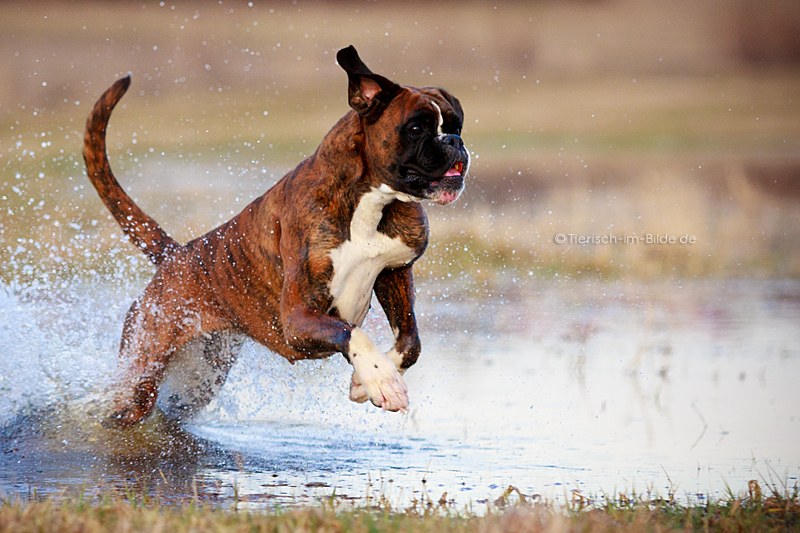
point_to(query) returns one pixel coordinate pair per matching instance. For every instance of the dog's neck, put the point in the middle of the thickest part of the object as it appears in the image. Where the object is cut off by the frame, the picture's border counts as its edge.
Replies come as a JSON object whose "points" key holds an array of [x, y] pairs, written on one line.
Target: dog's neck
{"points": [[369, 212], [363, 255], [343, 144]]}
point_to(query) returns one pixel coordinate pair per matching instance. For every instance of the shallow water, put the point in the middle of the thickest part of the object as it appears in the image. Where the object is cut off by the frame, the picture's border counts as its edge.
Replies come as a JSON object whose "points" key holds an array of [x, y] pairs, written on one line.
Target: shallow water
{"points": [[550, 386]]}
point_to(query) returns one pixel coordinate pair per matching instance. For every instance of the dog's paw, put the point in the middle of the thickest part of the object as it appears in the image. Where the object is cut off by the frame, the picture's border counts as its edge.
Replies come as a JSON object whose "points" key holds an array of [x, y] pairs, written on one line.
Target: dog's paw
{"points": [[123, 418], [384, 387], [358, 393], [376, 377], [387, 396], [137, 408], [396, 358]]}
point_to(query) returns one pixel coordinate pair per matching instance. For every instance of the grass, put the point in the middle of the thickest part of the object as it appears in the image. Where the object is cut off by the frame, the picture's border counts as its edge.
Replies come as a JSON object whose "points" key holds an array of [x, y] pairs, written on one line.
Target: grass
{"points": [[511, 512]]}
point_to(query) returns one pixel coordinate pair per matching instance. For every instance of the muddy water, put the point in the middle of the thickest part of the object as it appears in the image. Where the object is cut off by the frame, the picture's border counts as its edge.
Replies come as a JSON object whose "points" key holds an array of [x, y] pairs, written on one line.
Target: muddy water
{"points": [[550, 386]]}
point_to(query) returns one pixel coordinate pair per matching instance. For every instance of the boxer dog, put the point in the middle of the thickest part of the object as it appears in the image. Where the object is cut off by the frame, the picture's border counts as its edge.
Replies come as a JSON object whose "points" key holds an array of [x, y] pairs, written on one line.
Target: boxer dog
{"points": [[296, 269]]}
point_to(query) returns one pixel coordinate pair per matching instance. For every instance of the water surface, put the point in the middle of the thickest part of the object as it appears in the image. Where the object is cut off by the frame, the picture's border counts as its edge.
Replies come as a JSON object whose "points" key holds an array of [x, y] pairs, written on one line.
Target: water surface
{"points": [[547, 385]]}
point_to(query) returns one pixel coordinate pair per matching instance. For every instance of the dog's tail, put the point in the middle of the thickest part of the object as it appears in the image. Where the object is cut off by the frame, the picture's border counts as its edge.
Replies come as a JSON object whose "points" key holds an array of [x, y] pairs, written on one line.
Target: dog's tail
{"points": [[142, 230]]}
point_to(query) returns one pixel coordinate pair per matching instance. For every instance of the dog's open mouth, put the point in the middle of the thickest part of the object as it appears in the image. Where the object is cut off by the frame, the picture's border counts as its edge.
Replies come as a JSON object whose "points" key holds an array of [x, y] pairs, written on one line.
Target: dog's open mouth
{"points": [[448, 189], [456, 170], [443, 190]]}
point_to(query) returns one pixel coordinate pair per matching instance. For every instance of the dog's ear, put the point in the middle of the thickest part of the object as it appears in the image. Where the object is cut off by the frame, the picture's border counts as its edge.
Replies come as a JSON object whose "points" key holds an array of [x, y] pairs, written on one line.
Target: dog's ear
{"points": [[368, 93]]}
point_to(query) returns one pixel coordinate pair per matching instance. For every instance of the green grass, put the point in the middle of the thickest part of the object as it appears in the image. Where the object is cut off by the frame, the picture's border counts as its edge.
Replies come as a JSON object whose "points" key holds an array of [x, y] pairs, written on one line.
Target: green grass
{"points": [[130, 511]]}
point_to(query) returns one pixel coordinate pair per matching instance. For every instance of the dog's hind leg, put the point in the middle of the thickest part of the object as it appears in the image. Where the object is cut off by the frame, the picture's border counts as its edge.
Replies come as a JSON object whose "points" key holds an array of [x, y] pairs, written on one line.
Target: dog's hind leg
{"points": [[158, 324], [197, 372]]}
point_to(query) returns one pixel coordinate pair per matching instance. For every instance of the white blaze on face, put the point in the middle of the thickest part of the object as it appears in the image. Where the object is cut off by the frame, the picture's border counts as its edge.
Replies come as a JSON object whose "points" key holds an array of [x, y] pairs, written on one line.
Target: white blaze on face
{"points": [[440, 122], [358, 260]]}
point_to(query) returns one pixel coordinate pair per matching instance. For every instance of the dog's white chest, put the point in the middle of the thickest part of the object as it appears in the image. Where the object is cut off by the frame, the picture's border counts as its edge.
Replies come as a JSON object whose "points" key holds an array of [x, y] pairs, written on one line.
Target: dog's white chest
{"points": [[358, 261]]}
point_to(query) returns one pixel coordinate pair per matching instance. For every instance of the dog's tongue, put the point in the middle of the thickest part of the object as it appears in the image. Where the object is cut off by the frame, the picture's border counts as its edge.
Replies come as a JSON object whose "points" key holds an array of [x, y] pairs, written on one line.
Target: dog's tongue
{"points": [[455, 170]]}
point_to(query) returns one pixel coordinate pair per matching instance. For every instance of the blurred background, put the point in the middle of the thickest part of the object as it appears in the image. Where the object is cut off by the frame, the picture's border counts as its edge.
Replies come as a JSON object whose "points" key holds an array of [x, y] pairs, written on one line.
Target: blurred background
{"points": [[591, 118]]}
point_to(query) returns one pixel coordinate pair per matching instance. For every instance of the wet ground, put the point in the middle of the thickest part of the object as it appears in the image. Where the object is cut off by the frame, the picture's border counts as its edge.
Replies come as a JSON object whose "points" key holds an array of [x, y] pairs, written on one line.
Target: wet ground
{"points": [[547, 385]]}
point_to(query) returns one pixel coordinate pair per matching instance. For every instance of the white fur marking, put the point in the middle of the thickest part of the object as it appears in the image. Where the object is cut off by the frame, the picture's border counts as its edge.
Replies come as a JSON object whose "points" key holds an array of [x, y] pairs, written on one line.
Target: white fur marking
{"points": [[403, 197], [441, 118], [358, 261], [375, 374]]}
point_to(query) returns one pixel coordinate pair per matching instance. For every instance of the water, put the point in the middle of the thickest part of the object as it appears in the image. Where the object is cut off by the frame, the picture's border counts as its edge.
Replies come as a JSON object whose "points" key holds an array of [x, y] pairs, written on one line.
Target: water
{"points": [[550, 386]]}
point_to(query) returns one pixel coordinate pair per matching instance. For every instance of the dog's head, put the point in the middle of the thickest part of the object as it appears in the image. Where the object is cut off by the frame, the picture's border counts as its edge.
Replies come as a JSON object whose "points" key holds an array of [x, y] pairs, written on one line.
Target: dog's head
{"points": [[412, 137]]}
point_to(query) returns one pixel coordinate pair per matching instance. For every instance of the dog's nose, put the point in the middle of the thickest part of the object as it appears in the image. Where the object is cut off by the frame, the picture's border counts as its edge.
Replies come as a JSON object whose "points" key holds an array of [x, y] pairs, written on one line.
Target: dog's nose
{"points": [[454, 141]]}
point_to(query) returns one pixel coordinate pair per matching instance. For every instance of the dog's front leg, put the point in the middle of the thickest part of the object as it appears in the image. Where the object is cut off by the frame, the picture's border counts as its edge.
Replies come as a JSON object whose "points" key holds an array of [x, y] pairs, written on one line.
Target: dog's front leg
{"points": [[395, 291], [308, 330]]}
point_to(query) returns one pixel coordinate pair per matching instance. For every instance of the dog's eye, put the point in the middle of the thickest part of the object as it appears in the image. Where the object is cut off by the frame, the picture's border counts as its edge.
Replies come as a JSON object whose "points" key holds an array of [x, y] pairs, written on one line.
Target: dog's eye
{"points": [[421, 125]]}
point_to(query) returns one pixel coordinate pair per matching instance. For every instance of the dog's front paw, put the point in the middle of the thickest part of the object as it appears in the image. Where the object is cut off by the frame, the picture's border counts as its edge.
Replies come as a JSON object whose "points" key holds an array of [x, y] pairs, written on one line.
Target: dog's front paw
{"points": [[358, 393], [384, 386], [389, 397], [375, 376]]}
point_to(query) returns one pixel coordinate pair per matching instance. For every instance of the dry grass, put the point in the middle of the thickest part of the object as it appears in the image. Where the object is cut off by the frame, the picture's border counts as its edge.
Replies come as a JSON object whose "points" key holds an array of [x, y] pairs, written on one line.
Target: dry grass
{"points": [[511, 512], [739, 230]]}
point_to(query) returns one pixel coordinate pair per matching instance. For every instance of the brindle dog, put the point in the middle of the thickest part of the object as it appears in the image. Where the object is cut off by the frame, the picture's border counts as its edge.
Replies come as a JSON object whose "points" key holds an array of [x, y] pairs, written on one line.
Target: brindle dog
{"points": [[296, 269]]}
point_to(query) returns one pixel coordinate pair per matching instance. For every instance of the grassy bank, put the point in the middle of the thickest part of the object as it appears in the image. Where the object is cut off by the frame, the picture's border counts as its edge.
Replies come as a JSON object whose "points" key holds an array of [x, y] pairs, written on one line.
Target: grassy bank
{"points": [[512, 512]]}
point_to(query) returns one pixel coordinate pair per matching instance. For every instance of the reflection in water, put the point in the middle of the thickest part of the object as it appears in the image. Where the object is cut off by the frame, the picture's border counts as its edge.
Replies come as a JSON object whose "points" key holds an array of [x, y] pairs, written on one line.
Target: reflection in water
{"points": [[549, 386]]}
